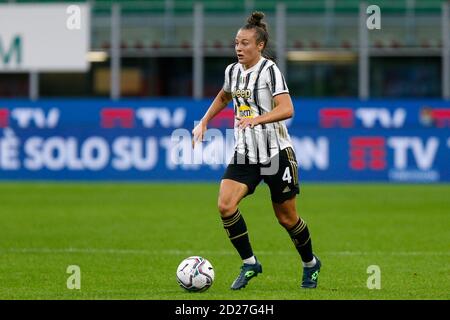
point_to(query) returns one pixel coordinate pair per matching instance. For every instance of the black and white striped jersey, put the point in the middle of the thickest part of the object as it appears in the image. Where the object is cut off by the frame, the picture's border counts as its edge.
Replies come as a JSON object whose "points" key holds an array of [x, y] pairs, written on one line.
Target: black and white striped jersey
{"points": [[253, 91]]}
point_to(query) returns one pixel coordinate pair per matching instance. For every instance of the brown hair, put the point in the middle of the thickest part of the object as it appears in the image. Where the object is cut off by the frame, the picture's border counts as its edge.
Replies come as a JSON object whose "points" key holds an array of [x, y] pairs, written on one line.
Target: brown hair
{"points": [[254, 22]]}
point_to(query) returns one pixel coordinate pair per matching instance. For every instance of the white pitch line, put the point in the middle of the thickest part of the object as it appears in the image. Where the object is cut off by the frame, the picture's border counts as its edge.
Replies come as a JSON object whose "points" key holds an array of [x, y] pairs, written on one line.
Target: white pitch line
{"points": [[222, 252]]}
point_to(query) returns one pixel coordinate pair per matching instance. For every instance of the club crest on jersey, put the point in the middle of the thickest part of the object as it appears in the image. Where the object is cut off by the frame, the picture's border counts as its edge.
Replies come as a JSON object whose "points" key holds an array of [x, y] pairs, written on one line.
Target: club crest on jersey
{"points": [[241, 93], [245, 111]]}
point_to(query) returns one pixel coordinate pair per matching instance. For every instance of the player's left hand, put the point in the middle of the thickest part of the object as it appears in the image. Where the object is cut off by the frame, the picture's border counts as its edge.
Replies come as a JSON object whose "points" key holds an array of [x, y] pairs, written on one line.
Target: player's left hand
{"points": [[247, 122]]}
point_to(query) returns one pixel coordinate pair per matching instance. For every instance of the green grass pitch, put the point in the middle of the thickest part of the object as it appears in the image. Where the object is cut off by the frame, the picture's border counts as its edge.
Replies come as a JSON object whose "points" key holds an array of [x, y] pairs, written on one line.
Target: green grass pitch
{"points": [[128, 240]]}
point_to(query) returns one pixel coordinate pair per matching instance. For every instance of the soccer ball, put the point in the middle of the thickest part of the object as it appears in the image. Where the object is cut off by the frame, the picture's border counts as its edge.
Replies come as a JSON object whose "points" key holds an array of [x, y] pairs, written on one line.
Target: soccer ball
{"points": [[195, 274]]}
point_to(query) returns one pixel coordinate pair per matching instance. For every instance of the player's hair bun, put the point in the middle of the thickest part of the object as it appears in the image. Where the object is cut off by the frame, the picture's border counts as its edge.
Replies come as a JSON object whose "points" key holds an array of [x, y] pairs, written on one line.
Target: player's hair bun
{"points": [[255, 20], [260, 28]]}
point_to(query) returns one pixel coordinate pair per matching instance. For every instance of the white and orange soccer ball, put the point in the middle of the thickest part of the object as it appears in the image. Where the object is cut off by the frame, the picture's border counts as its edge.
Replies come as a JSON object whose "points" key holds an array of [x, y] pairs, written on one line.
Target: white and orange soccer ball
{"points": [[195, 274]]}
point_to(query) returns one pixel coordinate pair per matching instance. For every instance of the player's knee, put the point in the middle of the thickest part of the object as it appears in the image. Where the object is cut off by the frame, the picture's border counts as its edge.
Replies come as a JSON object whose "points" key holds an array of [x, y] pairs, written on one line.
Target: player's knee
{"points": [[287, 221], [226, 207]]}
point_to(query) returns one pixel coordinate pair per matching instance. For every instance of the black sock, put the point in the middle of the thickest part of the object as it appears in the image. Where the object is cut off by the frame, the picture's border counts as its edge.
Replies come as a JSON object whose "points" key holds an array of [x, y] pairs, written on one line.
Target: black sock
{"points": [[237, 232], [302, 240]]}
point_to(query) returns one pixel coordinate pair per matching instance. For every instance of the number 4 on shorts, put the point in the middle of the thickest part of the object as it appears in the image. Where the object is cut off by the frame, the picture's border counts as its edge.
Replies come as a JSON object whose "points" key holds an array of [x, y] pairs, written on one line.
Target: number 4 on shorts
{"points": [[287, 175]]}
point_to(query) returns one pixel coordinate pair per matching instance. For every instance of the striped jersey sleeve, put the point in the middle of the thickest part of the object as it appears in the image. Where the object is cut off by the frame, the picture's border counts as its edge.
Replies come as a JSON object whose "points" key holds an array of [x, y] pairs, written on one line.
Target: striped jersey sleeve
{"points": [[228, 77], [275, 80]]}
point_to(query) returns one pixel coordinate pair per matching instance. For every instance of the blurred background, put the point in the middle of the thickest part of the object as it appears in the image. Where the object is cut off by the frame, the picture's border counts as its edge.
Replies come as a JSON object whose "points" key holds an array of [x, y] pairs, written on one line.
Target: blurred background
{"points": [[142, 69], [170, 48]]}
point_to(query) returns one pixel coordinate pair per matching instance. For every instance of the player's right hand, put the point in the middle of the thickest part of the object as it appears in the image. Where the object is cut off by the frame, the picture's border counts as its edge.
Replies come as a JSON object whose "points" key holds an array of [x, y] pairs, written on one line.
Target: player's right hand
{"points": [[198, 133]]}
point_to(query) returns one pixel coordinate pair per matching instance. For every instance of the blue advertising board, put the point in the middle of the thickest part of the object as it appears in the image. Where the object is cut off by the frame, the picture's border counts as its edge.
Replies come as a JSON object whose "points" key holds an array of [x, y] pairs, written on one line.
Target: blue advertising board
{"points": [[149, 140]]}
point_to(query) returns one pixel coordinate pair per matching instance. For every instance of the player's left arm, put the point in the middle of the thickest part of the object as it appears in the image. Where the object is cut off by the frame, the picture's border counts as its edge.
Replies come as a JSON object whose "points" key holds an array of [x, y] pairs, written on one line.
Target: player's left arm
{"points": [[283, 109]]}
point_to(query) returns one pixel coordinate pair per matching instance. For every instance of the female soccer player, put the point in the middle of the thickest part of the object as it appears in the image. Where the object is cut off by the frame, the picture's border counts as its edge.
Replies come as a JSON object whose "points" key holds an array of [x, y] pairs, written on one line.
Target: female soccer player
{"points": [[261, 102]]}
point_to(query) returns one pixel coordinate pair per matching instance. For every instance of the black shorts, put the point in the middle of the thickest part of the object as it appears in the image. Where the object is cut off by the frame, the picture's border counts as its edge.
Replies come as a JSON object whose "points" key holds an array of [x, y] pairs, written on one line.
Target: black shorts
{"points": [[281, 174]]}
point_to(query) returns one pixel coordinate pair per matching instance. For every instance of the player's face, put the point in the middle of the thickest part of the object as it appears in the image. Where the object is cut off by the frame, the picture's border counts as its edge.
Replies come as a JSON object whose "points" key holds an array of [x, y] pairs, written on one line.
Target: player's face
{"points": [[247, 50]]}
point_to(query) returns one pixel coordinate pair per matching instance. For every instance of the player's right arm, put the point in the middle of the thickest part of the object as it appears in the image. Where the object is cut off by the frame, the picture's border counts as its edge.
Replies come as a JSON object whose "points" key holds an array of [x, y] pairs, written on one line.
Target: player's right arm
{"points": [[222, 99]]}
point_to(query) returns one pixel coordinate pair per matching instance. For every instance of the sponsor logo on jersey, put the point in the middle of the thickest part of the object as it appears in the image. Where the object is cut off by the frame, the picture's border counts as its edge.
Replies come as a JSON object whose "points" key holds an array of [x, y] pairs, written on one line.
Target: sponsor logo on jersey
{"points": [[245, 112], [241, 93]]}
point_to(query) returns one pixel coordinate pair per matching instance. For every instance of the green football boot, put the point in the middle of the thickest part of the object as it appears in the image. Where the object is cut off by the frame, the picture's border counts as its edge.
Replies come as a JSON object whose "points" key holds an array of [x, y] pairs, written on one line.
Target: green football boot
{"points": [[248, 271], [311, 275]]}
